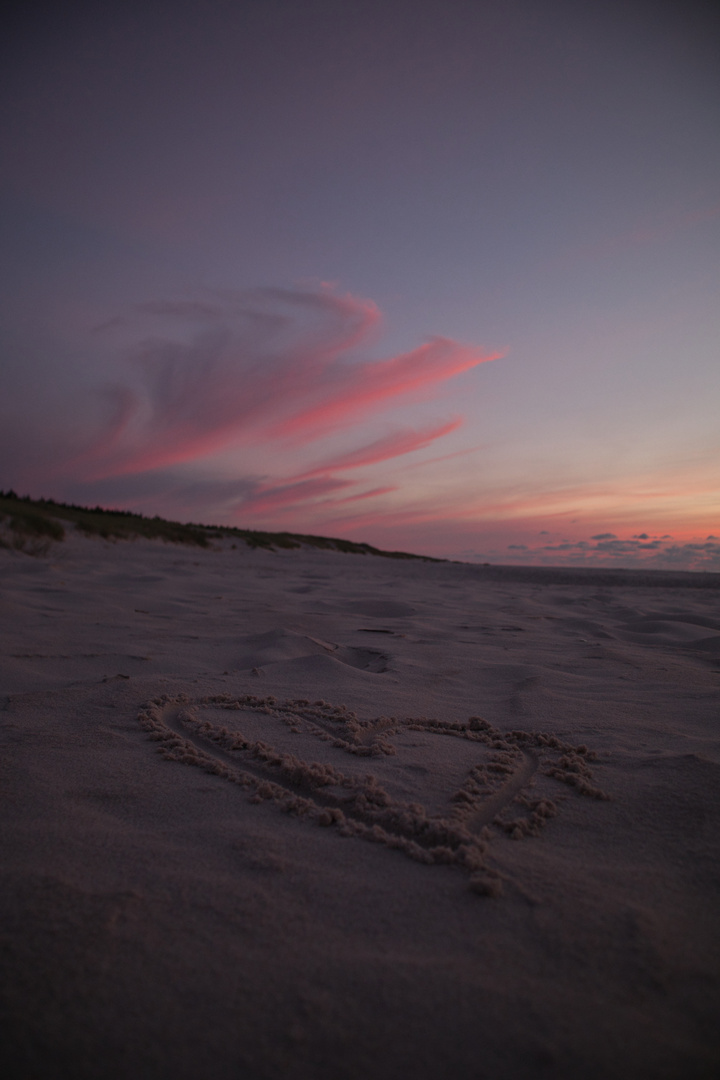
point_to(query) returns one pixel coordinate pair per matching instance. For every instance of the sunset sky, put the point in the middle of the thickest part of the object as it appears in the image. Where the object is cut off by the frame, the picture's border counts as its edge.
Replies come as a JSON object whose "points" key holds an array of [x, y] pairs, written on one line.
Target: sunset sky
{"points": [[438, 275]]}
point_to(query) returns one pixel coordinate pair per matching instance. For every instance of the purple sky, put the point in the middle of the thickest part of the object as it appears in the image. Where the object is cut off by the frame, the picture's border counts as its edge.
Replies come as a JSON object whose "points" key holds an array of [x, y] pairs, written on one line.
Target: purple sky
{"points": [[440, 276]]}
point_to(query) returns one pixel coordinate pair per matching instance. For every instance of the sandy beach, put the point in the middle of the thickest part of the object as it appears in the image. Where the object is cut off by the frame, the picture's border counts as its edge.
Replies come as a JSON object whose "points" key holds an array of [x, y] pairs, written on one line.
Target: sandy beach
{"points": [[306, 814]]}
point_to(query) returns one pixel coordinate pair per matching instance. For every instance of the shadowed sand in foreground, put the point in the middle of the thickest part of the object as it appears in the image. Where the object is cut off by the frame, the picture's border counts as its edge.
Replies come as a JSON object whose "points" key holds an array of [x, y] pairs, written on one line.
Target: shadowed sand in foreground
{"points": [[313, 814]]}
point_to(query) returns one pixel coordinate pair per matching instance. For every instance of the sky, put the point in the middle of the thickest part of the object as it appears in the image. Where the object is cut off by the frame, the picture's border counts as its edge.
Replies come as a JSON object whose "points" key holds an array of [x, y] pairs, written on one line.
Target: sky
{"points": [[441, 275]]}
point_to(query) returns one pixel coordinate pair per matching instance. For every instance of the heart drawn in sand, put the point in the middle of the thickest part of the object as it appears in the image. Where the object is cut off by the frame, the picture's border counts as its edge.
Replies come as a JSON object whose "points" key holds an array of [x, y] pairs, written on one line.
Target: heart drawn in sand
{"points": [[438, 791]]}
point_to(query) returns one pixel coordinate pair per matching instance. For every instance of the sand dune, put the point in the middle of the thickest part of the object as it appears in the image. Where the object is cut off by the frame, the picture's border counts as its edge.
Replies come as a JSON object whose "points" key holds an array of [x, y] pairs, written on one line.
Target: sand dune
{"points": [[312, 814]]}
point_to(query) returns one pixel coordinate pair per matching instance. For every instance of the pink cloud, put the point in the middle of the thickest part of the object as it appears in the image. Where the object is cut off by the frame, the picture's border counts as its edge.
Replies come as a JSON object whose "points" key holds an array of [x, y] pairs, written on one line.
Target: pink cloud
{"points": [[198, 377], [444, 457], [307, 486], [364, 495], [392, 446], [364, 387], [270, 499]]}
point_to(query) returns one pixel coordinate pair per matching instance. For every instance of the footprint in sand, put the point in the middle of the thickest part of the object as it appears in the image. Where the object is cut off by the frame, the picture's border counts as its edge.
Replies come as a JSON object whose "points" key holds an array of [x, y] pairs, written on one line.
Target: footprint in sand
{"points": [[439, 792]]}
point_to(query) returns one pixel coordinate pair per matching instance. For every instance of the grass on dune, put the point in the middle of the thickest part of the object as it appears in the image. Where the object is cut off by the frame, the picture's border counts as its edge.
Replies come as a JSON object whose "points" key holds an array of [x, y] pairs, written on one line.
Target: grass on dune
{"points": [[32, 524]]}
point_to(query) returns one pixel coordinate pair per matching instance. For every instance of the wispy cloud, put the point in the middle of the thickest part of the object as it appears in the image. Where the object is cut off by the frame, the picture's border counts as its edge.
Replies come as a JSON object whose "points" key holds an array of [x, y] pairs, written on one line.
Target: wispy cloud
{"points": [[307, 486], [364, 387], [391, 446], [373, 493], [196, 377], [279, 496]]}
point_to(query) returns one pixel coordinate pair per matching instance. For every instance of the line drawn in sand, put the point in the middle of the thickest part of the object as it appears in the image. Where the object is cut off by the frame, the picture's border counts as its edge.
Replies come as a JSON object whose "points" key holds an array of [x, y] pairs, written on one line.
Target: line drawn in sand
{"points": [[497, 795]]}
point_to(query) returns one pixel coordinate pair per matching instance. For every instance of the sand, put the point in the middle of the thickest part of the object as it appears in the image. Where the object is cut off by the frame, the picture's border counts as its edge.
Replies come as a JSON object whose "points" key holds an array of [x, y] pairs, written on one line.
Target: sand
{"points": [[308, 814]]}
